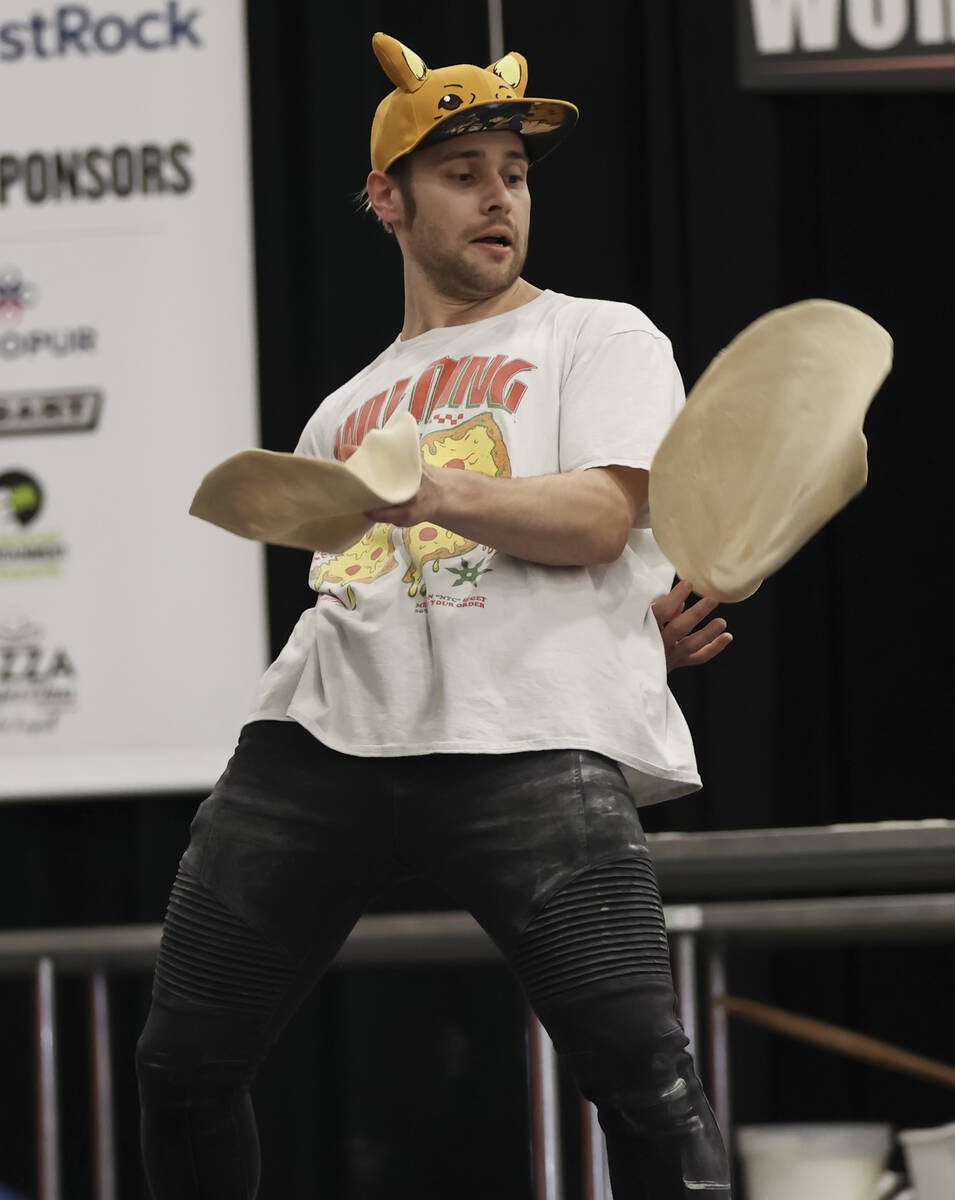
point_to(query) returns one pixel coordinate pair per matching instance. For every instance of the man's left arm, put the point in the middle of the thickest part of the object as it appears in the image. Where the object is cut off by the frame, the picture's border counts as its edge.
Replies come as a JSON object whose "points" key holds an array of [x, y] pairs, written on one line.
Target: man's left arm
{"points": [[574, 519], [684, 643]]}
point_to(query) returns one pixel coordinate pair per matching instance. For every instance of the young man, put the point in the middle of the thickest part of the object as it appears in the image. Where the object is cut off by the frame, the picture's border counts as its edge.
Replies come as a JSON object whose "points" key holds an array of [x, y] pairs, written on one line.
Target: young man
{"points": [[476, 669]]}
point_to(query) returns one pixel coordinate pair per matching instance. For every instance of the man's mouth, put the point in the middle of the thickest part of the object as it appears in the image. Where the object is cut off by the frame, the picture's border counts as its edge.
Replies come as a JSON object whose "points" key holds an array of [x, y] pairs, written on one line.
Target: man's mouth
{"points": [[493, 239]]}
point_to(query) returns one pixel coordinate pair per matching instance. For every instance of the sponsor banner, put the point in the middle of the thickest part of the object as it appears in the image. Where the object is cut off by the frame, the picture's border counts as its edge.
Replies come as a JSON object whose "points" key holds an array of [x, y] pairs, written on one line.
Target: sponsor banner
{"points": [[855, 45], [131, 635]]}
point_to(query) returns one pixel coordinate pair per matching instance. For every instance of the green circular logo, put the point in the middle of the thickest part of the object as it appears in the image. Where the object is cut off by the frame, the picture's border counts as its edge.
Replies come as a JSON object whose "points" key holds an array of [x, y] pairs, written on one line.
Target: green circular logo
{"points": [[21, 497]]}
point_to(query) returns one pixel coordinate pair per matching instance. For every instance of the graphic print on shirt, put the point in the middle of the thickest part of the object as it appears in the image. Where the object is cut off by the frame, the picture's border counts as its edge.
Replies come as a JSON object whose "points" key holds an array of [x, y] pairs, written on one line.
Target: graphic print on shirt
{"points": [[445, 393], [477, 445], [369, 558]]}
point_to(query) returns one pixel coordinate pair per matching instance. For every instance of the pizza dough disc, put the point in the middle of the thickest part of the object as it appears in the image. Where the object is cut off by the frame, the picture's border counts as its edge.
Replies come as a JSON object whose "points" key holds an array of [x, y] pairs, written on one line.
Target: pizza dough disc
{"points": [[311, 503], [769, 445]]}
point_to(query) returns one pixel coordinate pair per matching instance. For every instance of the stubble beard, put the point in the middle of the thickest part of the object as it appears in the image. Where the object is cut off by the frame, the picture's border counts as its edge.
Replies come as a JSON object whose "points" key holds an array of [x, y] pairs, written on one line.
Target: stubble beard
{"points": [[459, 278]]}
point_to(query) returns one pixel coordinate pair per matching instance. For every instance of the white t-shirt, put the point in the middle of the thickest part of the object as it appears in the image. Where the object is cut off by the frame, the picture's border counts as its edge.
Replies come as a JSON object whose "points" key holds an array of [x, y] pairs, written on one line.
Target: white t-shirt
{"points": [[423, 642]]}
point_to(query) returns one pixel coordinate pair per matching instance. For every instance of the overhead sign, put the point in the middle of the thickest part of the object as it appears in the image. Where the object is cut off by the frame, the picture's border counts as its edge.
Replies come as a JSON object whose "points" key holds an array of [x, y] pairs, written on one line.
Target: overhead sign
{"points": [[131, 635], [846, 44]]}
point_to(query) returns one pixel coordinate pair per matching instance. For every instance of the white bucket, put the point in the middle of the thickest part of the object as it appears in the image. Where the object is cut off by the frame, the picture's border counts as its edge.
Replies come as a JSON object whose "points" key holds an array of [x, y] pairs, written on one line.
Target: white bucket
{"points": [[930, 1159], [814, 1162]]}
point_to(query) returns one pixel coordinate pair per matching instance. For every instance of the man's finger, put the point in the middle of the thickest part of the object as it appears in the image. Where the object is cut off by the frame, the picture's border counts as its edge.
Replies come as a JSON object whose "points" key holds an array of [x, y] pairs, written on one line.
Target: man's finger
{"points": [[665, 608], [717, 646], [683, 623], [695, 642]]}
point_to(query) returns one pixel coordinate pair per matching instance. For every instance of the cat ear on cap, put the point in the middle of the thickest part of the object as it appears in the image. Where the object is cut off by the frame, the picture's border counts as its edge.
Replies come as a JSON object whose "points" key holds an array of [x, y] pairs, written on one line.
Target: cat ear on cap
{"points": [[512, 68], [404, 68]]}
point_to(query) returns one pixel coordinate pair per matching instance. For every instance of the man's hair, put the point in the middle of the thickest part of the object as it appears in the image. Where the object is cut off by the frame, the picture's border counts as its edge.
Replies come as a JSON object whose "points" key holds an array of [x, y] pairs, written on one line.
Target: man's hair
{"points": [[400, 172]]}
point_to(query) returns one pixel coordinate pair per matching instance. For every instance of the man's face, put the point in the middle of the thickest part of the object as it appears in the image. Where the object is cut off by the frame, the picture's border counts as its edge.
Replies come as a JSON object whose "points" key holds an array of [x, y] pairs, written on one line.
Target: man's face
{"points": [[469, 227]]}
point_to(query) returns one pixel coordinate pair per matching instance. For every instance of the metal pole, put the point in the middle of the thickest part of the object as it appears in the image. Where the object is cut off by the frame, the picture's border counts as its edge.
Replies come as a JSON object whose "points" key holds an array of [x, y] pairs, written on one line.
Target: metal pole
{"points": [[104, 1139], [685, 953], [545, 1112], [719, 1037], [594, 1154], [48, 1133], [495, 29]]}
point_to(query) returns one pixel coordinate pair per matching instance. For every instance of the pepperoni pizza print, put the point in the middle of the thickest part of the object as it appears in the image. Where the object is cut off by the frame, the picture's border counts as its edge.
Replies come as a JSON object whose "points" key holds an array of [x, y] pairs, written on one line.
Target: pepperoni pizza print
{"points": [[477, 445], [369, 558]]}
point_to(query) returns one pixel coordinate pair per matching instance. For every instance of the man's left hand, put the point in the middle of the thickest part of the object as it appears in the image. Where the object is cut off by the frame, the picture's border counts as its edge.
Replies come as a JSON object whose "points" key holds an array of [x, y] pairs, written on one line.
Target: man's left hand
{"points": [[684, 648]]}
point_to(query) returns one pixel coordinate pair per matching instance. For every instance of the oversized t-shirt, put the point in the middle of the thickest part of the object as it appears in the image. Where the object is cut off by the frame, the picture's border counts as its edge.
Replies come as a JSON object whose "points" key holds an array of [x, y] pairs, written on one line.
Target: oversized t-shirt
{"points": [[422, 641]]}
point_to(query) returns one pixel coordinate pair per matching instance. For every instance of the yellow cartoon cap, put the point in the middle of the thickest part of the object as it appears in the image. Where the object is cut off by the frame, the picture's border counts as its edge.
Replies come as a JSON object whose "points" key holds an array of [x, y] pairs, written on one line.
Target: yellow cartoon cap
{"points": [[428, 106]]}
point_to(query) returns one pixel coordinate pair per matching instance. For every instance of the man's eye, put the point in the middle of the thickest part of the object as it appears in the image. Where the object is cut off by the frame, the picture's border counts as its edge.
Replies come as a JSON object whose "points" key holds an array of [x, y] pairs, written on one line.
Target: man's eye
{"points": [[450, 102]]}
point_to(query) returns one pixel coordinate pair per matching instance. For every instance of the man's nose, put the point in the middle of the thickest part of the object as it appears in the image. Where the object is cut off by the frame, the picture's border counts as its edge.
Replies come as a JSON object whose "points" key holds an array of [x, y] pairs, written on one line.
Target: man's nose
{"points": [[497, 196]]}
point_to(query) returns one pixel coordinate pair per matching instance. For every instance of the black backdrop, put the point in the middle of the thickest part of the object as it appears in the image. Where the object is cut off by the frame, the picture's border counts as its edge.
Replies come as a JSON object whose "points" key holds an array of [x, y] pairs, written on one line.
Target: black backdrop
{"points": [[705, 206]]}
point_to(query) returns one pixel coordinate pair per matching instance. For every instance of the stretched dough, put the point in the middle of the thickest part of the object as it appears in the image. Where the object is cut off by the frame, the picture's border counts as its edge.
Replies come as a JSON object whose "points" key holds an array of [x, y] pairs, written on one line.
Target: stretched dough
{"points": [[311, 503], [769, 445]]}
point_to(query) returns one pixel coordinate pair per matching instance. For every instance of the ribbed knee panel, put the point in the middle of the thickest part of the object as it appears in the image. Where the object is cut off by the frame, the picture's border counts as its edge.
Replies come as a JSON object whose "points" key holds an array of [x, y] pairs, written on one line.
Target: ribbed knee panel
{"points": [[211, 957], [604, 924]]}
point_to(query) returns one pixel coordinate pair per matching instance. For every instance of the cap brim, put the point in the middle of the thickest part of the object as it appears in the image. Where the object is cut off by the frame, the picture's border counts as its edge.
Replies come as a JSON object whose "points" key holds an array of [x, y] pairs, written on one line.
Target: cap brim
{"points": [[543, 124]]}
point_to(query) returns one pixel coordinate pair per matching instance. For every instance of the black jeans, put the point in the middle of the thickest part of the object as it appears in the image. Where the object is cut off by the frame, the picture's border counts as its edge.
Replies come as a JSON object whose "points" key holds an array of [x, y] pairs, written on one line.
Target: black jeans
{"points": [[544, 848]]}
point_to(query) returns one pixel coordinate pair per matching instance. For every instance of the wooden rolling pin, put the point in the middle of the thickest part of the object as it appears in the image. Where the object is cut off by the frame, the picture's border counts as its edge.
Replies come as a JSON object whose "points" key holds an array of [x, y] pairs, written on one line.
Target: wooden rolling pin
{"points": [[834, 1037]]}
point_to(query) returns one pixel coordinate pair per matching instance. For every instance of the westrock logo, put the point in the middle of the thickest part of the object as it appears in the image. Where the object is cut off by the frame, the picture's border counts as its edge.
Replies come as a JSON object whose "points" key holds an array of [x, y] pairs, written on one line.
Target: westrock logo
{"points": [[40, 343], [26, 553], [37, 680], [74, 30]]}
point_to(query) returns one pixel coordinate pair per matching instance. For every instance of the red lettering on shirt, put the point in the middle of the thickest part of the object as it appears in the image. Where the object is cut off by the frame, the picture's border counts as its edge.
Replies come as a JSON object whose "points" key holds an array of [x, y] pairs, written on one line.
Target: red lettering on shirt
{"points": [[506, 392], [447, 383], [422, 389], [474, 381], [368, 416], [346, 433], [397, 395]]}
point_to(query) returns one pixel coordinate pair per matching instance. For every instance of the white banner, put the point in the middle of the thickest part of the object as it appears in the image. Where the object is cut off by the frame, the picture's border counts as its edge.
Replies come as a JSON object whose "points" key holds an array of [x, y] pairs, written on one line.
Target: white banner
{"points": [[131, 634]]}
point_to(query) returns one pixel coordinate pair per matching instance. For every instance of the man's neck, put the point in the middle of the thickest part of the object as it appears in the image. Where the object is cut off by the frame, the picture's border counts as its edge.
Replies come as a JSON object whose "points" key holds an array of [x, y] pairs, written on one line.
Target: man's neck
{"points": [[426, 309]]}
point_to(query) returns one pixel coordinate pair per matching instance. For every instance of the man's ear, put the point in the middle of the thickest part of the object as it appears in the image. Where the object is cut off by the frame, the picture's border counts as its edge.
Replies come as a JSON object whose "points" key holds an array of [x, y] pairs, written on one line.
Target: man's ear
{"points": [[385, 197]]}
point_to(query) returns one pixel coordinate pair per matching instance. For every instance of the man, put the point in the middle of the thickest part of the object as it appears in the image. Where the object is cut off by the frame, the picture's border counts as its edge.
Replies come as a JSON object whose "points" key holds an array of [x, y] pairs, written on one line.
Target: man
{"points": [[476, 668]]}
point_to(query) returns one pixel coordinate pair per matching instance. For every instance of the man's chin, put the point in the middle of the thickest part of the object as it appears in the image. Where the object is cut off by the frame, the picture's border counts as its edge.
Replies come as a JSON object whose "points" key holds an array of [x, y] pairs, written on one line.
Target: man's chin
{"points": [[486, 280]]}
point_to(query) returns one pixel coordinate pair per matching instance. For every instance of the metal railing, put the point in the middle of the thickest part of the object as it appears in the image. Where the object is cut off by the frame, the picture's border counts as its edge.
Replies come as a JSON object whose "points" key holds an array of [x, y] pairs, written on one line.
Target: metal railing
{"points": [[456, 937]]}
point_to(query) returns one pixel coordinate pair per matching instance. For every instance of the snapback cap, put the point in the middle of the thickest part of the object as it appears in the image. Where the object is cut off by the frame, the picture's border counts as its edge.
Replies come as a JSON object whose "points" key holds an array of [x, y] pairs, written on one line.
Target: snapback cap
{"points": [[428, 106]]}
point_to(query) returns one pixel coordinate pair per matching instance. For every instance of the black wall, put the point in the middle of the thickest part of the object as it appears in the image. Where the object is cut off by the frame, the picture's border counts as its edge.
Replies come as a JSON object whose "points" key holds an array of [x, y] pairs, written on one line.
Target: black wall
{"points": [[706, 207]]}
